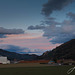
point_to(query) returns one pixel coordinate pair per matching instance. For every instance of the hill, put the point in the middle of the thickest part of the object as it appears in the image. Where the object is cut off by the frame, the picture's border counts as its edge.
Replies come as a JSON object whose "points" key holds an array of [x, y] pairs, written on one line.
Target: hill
{"points": [[64, 51], [13, 55]]}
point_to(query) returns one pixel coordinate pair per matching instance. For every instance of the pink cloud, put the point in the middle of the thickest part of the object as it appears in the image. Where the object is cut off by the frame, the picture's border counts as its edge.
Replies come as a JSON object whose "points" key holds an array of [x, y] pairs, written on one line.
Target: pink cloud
{"points": [[33, 41]]}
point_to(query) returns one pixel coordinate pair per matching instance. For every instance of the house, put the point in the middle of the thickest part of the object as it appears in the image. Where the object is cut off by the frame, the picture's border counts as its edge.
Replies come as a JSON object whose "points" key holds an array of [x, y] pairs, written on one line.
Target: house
{"points": [[4, 60], [66, 61], [51, 62]]}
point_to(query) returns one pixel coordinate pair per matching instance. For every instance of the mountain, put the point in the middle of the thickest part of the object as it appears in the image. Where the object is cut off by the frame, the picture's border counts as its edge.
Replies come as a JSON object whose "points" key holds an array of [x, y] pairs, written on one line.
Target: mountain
{"points": [[64, 51], [13, 55]]}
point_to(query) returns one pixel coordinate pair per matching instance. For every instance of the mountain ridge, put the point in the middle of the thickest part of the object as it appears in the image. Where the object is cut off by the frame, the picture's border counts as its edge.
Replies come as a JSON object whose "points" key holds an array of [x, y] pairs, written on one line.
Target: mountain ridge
{"points": [[17, 56], [64, 51]]}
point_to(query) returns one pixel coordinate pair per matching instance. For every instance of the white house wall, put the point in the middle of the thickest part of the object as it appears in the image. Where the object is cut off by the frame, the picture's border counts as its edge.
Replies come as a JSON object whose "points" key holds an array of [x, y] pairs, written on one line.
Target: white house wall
{"points": [[4, 60]]}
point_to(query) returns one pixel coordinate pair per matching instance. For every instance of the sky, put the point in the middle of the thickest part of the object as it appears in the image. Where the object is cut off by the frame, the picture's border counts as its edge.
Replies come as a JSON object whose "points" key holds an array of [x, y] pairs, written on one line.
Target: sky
{"points": [[35, 26]]}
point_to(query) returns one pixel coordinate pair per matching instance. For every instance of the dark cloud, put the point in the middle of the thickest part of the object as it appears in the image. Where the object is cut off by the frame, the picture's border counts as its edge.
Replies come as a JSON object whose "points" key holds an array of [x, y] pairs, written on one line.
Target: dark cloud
{"points": [[61, 38], [72, 16], [4, 31], [51, 18], [50, 22], [44, 24], [54, 5], [62, 33], [10, 31], [36, 27], [59, 32]]}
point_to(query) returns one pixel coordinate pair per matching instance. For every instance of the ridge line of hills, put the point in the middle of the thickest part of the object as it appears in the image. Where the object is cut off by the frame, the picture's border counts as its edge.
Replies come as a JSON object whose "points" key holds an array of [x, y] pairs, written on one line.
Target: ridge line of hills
{"points": [[64, 51], [17, 56]]}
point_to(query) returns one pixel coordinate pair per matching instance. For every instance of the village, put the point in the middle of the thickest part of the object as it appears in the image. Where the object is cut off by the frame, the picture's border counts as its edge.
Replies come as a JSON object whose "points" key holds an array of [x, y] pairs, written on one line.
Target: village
{"points": [[4, 60]]}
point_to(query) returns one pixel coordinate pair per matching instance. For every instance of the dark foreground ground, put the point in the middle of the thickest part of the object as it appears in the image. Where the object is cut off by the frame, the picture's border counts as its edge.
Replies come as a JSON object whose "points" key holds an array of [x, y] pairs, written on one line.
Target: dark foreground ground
{"points": [[34, 69]]}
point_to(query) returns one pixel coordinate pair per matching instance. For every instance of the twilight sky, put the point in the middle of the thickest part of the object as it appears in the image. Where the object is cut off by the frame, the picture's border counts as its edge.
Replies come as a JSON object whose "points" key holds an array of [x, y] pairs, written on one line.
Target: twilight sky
{"points": [[35, 26]]}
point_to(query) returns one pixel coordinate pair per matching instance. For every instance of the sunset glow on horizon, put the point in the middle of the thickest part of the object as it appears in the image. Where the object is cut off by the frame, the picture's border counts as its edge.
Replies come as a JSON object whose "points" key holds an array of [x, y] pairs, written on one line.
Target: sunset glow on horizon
{"points": [[35, 26]]}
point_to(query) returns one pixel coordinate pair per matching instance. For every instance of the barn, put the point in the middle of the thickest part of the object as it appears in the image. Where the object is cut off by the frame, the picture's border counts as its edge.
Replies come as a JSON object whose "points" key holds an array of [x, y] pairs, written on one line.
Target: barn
{"points": [[4, 60]]}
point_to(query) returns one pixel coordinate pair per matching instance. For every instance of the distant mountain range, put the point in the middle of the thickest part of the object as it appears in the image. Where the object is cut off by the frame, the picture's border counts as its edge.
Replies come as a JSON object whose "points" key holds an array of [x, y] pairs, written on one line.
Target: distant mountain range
{"points": [[64, 51], [16, 56]]}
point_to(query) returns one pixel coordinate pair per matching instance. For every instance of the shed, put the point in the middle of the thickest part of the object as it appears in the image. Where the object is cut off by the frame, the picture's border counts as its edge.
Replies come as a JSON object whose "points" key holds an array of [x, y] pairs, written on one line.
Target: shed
{"points": [[4, 60]]}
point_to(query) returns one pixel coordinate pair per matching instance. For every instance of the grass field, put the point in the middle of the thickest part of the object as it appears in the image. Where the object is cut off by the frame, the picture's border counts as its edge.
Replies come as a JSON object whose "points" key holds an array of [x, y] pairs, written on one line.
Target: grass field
{"points": [[34, 69]]}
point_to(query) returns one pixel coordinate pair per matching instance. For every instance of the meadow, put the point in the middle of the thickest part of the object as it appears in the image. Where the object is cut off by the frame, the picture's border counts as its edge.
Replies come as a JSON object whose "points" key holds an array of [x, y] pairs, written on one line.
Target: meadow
{"points": [[34, 69]]}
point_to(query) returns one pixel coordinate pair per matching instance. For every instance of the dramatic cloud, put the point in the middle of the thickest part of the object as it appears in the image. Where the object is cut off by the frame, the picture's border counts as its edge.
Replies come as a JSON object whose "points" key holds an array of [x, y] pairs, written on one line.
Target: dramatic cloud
{"points": [[44, 24], [59, 32], [4, 32], [36, 27], [59, 35], [54, 5], [63, 32]]}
